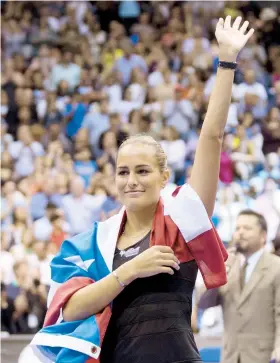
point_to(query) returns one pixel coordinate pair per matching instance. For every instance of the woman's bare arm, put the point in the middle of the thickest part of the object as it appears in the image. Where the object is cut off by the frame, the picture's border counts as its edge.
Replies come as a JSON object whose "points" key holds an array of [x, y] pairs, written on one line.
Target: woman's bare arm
{"points": [[93, 298], [205, 172]]}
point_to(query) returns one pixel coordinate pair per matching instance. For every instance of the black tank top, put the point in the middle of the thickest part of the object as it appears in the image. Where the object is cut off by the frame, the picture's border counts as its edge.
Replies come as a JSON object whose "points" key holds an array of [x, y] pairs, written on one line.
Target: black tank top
{"points": [[151, 317]]}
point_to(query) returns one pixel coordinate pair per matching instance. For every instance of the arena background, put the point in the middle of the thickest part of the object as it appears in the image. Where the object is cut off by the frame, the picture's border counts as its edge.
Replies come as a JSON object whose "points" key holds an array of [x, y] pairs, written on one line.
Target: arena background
{"points": [[68, 99]]}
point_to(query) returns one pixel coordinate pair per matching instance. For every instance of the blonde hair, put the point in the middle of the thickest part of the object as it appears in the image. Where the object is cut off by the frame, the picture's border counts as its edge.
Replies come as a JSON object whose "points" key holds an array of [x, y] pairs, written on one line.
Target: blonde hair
{"points": [[149, 140]]}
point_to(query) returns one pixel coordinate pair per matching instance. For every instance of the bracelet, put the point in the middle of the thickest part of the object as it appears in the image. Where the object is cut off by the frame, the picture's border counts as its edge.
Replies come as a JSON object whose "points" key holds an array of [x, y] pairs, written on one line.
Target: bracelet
{"points": [[119, 281], [228, 65]]}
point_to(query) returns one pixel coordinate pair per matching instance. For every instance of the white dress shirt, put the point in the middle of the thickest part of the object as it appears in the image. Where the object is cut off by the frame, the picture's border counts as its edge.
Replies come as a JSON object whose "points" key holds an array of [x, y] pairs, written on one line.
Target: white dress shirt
{"points": [[251, 263]]}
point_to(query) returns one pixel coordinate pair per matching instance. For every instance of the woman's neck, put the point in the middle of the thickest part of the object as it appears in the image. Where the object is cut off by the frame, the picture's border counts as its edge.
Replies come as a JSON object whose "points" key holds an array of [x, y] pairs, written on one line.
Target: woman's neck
{"points": [[140, 221]]}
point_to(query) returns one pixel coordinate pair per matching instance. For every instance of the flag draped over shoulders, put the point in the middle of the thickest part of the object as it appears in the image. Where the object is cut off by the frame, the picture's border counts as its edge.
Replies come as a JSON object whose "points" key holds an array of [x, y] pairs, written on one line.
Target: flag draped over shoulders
{"points": [[181, 223]]}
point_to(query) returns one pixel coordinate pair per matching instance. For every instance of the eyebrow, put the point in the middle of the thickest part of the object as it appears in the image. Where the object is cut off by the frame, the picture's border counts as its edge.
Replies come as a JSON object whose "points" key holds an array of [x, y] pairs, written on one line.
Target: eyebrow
{"points": [[137, 166]]}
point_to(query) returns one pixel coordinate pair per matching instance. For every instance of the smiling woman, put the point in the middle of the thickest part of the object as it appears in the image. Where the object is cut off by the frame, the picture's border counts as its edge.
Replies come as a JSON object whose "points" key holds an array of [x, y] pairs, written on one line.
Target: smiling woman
{"points": [[127, 285], [141, 174]]}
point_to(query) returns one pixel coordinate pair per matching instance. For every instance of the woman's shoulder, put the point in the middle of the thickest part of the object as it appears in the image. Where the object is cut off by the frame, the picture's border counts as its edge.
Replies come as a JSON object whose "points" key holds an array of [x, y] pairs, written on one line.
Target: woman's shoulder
{"points": [[81, 241]]}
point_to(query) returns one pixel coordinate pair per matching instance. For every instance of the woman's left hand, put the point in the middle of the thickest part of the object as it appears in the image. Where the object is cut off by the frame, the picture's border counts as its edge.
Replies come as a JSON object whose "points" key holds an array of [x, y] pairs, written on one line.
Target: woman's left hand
{"points": [[232, 38]]}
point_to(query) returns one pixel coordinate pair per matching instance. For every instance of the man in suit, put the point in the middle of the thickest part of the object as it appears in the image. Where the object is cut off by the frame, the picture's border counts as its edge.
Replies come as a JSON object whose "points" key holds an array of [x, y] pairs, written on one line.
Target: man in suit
{"points": [[251, 298]]}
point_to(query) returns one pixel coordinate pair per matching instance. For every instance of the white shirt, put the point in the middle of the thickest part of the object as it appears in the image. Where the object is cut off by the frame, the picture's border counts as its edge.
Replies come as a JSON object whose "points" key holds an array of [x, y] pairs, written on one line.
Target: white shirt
{"points": [[251, 263], [176, 152], [268, 204], [138, 93], [70, 73], [124, 108], [256, 88], [114, 93], [42, 229], [24, 156], [151, 107], [6, 267], [82, 212], [179, 114]]}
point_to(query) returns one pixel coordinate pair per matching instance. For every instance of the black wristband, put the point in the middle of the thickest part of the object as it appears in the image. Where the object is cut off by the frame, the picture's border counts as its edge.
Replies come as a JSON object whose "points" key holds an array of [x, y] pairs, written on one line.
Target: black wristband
{"points": [[228, 65]]}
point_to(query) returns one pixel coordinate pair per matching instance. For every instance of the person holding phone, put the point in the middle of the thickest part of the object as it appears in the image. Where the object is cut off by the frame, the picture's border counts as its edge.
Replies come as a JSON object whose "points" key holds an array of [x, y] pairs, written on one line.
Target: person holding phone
{"points": [[251, 298]]}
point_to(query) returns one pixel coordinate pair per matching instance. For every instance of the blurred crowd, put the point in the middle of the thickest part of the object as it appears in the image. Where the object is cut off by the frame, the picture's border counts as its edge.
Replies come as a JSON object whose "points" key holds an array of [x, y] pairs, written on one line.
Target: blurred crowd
{"points": [[80, 77]]}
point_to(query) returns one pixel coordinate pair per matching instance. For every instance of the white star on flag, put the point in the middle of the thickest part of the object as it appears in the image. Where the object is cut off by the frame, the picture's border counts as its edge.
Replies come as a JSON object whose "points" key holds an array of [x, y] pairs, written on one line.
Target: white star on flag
{"points": [[76, 260]]}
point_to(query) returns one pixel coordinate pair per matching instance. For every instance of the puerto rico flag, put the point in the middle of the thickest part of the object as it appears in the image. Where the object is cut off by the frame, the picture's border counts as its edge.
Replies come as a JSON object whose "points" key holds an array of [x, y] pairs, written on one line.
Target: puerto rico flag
{"points": [[180, 222]]}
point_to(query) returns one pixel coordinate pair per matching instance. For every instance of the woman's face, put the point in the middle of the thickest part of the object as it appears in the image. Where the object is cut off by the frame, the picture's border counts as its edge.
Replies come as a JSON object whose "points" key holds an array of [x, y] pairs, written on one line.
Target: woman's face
{"points": [[138, 178]]}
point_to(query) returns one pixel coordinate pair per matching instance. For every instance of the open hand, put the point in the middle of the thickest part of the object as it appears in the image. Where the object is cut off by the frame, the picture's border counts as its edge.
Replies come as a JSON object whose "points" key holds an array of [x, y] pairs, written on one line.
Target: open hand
{"points": [[153, 261], [232, 38]]}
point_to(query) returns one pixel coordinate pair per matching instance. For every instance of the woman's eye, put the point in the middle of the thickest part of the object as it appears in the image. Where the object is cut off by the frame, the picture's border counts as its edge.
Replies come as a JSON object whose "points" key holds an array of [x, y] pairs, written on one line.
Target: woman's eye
{"points": [[143, 171], [122, 172]]}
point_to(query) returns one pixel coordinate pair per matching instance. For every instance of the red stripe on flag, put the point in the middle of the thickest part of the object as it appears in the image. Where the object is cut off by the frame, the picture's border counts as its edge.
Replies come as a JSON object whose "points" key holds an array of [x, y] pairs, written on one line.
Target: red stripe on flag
{"points": [[207, 248], [62, 295], [210, 255]]}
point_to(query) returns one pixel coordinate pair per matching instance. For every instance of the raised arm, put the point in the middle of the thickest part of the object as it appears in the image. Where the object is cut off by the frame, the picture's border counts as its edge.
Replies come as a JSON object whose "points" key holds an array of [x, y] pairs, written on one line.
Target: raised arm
{"points": [[205, 172]]}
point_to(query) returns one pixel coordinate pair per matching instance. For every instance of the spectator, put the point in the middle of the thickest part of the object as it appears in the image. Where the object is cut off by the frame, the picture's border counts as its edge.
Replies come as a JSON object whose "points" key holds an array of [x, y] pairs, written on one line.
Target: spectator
{"points": [[81, 208], [180, 114], [276, 243], [175, 149], [251, 95], [271, 131], [75, 112], [66, 71], [58, 234], [97, 123], [24, 151], [42, 227], [226, 164], [248, 294], [40, 200], [7, 311], [268, 203], [128, 62]]}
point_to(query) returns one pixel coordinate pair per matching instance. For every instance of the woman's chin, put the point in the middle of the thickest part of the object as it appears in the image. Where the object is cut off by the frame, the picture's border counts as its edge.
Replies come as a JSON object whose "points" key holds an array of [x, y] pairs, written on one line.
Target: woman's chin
{"points": [[134, 205], [139, 204]]}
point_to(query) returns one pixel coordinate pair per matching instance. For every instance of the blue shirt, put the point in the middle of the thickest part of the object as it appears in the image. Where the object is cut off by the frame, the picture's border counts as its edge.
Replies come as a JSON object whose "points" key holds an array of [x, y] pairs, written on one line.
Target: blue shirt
{"points": [[129, 9], [39, 203], [110, 204], [85, 169], [126, 65], [96, 123], [76, 121]]}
